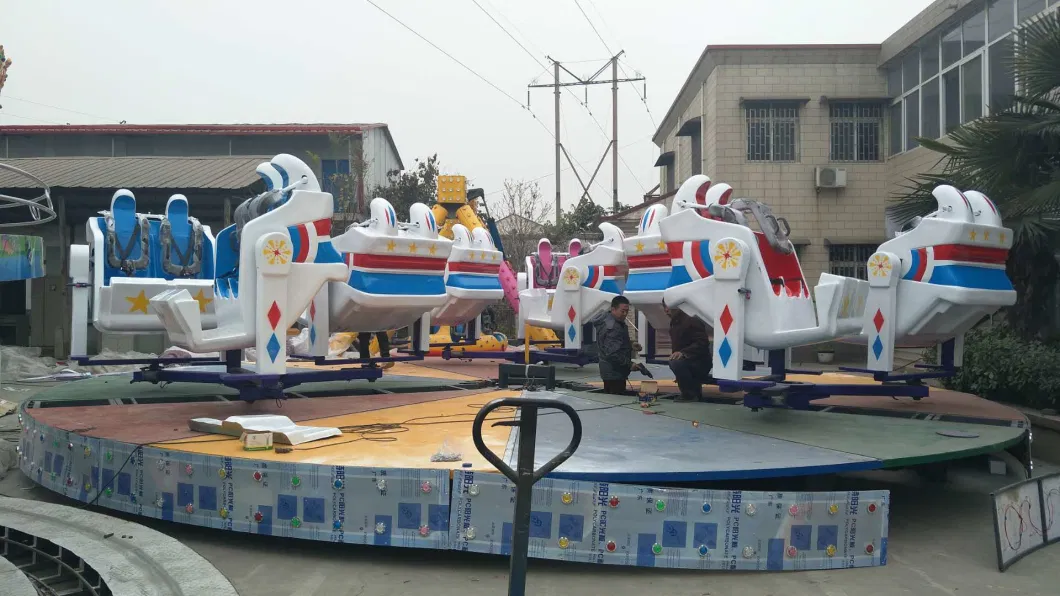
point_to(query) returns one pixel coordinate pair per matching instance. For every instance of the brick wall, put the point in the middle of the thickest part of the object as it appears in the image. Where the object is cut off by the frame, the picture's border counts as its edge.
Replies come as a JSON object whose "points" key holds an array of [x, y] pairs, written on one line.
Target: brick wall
{"points": [[854, 214]]}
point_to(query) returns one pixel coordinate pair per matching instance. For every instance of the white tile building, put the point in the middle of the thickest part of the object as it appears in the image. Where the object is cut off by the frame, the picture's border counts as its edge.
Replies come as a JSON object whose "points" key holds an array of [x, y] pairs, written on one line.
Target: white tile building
{"points": [[765, 118]]}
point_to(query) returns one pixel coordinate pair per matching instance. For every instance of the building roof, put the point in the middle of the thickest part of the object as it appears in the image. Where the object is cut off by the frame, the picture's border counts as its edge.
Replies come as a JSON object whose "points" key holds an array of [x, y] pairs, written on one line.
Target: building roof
{"points": [[936, 13], [224, 173], [188, 129], [711, 57]]}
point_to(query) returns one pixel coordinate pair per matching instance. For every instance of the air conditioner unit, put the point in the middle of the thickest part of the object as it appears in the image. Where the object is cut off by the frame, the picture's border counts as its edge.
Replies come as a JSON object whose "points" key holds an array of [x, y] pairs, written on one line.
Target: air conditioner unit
{"points": [[830, 177]]}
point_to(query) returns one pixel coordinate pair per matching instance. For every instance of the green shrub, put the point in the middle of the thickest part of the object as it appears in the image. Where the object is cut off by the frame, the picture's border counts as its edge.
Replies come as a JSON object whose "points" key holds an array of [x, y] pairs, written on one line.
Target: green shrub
{"points": [[1001, 366]]}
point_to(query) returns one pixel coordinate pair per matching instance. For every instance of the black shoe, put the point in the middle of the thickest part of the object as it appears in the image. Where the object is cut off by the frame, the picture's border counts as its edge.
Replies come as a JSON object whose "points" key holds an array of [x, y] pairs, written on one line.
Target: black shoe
{"points": [[686, 398]]}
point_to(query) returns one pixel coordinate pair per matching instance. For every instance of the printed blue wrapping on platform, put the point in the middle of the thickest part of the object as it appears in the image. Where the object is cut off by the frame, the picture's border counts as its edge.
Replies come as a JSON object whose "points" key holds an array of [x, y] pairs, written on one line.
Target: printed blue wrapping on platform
{"points": [[21, 257], [616, 524], [384, 506], [580, 521]]}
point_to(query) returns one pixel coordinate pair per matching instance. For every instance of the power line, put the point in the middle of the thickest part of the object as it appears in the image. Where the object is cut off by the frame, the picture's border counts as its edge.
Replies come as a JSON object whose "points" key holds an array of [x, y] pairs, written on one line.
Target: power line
{"points": [[540, 63], [37, 103], [567, 169], [643, 98], [469, 69], [506, 32], [588, 20], [454, 59], [28, 118]]}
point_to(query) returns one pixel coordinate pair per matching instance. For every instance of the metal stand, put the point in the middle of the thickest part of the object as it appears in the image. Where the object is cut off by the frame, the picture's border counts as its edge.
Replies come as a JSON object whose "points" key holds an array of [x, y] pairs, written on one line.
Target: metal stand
{"points": [[777, 390], [253, 386], [524, 476]]}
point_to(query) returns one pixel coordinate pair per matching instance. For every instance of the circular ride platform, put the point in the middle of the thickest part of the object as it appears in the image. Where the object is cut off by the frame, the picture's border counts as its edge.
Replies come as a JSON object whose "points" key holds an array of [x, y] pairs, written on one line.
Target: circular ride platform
{"points": [[128, 447]]}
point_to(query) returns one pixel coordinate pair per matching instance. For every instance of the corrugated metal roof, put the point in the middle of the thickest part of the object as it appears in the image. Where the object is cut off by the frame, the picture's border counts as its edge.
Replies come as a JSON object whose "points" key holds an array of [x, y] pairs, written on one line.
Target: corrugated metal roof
{"points": [[226, 173], [189, 129]]}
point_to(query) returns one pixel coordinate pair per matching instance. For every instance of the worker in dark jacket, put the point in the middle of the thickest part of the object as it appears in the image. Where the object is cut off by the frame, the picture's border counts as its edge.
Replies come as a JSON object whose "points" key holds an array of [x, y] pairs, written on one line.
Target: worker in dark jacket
{"points": [[693, 355], [615, 349]]}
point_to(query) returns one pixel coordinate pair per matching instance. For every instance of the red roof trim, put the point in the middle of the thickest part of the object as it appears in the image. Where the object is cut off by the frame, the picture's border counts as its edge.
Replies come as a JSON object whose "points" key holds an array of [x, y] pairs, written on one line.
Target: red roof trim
{"points": [[198, 129]]}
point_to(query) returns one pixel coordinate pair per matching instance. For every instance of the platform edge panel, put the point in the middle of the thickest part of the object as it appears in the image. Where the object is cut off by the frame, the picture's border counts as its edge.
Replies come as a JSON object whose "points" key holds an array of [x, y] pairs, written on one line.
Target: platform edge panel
{"points": [[356, 505], [630, 525]]}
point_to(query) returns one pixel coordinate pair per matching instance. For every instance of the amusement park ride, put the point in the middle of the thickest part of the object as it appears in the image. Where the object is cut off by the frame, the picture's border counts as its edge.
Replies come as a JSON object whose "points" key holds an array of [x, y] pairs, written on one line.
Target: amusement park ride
{"points": [[372, 475], [726, 261]]}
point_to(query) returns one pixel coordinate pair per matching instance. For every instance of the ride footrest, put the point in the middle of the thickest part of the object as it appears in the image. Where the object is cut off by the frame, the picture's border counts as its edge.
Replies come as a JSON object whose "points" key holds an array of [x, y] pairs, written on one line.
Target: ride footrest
{"points": [[525, 375]]}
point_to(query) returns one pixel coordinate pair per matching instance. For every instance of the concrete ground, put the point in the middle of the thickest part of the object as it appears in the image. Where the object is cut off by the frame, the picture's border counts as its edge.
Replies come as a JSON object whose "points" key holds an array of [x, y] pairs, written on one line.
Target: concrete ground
{"points": [[941, 542]]}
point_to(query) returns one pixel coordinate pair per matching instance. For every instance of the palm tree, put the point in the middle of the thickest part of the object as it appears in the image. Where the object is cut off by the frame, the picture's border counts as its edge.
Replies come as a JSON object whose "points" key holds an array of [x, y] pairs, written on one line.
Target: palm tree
{"points": [[1013, 156]]}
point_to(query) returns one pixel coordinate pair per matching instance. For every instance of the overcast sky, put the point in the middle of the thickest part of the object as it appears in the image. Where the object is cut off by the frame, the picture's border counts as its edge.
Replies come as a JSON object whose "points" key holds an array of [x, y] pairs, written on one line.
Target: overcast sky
{"points": [[266, 61]]}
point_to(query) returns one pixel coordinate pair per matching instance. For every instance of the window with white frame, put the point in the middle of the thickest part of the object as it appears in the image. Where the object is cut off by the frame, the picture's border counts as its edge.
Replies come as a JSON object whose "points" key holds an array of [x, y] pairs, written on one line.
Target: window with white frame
{"points": [[772, 131], [855, 131], [959, 73], [850, 260]]}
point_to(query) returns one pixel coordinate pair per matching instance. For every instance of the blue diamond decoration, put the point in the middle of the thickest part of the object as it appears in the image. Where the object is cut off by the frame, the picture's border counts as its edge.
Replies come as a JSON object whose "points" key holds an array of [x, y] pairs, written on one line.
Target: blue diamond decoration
{"points": [[571, 333], [706, 507], [273, 347], [877, 347], [337, 525], [725, 351], [703, 550], [313, 334], [338, 484]]}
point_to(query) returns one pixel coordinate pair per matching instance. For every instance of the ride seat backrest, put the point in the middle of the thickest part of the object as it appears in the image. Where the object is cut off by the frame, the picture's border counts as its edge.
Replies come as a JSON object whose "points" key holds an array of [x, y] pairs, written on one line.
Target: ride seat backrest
{"points": [[783, 270], [182, 240], [543, 279], [227, 265], [127, 237]]}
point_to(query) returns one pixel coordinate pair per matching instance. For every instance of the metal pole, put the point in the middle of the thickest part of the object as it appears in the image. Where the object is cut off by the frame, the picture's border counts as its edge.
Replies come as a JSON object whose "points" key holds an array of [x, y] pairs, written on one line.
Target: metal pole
{"points": [[523, 500], [614, 133], [559, 147]]}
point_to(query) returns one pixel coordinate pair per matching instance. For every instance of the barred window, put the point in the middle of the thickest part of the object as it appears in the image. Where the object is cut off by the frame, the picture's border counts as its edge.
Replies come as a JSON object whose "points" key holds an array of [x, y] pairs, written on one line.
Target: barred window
{"points": [[856, 128], [772, 132], [850, 260]]}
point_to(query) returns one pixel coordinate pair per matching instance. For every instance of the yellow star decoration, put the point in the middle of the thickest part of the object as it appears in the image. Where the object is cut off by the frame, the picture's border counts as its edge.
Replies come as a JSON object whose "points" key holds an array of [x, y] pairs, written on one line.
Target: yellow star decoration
{"points": [[412, 247], [662, 245], [471, 255], [433, 249], [861, 304], [484, 256], [1002, 237], [639, 246], [390, 246], [971, 233], [844, 311], [879, 265], [277, 252], [986, 234], [727, 254], [202, 300], [138, 302]]}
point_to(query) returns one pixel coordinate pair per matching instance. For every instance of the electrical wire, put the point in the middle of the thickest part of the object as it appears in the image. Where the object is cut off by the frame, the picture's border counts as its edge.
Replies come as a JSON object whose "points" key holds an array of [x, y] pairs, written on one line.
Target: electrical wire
{"points": [[643, 99], [545, 66], [566, 89], [588, 20], [464, 66], [37, 103], [567, 169], [28, 118]]}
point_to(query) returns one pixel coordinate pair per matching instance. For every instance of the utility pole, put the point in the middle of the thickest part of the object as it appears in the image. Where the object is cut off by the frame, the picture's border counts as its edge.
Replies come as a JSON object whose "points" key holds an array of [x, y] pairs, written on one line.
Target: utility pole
{"points": [[595, 79], [559, 145], [614, 132]]}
